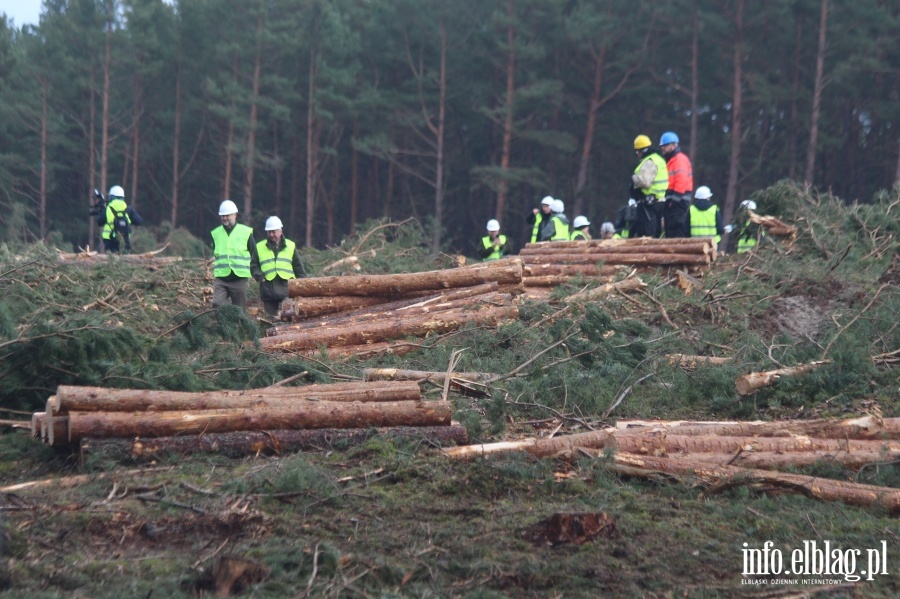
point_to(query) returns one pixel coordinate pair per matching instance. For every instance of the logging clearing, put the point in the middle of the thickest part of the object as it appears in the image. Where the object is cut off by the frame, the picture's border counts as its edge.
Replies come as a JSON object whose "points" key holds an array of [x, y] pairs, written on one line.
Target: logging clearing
{"points": [[411, 423]]}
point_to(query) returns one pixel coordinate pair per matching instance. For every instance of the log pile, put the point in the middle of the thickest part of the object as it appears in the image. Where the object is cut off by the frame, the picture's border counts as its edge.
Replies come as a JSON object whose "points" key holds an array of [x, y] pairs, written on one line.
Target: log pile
{"points": [[749, 453], [271, 418], [363, 315], [551, 263]]}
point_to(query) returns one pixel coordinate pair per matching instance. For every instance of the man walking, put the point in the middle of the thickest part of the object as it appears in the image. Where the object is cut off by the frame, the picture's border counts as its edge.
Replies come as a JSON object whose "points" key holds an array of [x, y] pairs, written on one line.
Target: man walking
{"points": [[274, 263], [233, 247]]}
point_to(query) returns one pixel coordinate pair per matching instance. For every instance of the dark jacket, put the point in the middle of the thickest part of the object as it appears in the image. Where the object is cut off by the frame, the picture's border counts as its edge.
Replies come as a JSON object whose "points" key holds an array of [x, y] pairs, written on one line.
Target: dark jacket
{"points": [[277, 288]]}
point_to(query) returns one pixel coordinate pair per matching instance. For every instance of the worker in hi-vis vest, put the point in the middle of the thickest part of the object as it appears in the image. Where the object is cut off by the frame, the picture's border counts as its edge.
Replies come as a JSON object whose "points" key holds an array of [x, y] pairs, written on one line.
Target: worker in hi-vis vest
{"points": [[232, 247], [649, 183], [538, 219], [493, 245], [704, 218], [580, 229], [275, 262]]}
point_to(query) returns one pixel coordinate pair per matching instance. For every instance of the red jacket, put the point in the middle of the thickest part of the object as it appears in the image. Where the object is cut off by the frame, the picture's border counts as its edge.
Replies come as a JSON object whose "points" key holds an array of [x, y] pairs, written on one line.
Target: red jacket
{"points": [[681, 175]]}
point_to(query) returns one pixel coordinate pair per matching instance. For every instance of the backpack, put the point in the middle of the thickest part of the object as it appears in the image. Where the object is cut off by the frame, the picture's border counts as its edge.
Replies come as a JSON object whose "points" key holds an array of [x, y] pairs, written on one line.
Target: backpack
{"points": [[121, 224]]}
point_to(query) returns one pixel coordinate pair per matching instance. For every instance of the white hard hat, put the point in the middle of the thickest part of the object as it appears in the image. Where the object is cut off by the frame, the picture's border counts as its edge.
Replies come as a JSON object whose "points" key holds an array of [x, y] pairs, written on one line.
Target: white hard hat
{"points": [[227, 207], [581, 221], [558, 206], [116, 191], [748, 204], [607, 227], [493, 225], [547, 201], [703, 193], [273, 223]]}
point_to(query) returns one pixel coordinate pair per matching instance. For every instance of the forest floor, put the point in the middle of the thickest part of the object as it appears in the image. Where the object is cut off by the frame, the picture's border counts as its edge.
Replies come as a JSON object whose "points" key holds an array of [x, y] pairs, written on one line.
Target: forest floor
{"points": [[395, 517]]}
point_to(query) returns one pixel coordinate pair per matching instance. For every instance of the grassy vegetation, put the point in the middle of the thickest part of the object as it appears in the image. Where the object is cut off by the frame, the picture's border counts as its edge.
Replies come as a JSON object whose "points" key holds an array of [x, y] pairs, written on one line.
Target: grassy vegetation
{"points": [[394, 519]]}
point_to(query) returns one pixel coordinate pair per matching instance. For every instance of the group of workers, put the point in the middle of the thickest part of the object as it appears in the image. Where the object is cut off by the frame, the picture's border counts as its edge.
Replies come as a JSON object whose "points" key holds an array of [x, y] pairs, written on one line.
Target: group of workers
{"points": [[272, 262], [662, 203]]}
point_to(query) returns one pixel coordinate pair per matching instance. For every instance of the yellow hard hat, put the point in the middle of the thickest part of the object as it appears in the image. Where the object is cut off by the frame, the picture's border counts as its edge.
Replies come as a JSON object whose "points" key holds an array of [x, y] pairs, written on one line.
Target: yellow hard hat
{"points": [[641, 142]]}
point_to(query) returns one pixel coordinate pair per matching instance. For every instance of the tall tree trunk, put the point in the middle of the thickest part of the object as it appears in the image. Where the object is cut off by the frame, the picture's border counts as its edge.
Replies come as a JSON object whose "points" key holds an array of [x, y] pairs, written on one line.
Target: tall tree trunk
{"points": [[354, 178], [311, 157], [389, 190], [439, 143], [817, 97], [136, 137], [226, 189], [279, 168], [587, 143], [736, 106], [695, 83], [508, 106], [45, 92], [176, 148], [795, 87], [92, 151], [251, 135], [104, 124]]}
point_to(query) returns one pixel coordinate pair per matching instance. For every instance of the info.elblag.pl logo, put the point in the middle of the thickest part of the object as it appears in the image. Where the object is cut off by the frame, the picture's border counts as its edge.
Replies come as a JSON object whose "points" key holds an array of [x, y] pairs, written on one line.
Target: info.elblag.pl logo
{"points": [[813, 559]]}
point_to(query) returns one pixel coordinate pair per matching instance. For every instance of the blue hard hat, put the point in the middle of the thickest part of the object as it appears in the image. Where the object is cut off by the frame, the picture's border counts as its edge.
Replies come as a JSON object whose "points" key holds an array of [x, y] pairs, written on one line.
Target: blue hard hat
{"points": [[668, 137]]}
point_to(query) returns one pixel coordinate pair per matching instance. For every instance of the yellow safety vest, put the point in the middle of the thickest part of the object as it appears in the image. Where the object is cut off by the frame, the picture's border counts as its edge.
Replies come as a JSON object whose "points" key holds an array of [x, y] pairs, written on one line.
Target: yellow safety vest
{"points": [[538, 219], [576, 235], [703, 222], [276, 265], [231, 253], [560, 228], [117, 205], [497, 253], [661, 183]]}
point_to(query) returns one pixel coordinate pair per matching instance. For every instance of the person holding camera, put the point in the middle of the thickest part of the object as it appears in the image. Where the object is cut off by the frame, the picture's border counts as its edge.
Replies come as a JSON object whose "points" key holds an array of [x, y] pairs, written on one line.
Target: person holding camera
{"points": [[116, 218]]}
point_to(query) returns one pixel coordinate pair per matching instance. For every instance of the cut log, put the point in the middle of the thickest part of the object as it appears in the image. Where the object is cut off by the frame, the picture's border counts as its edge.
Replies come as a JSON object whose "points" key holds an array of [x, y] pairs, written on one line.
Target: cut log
{"points": [[310, 416], [397, 374], [688, 361], [240, 443], [466, 383], [570, 270], [99, 399], [819, 488], [57, 430], [467, 276], [629, 284], [613, 259], [772, 460], [698, 247], [638, 241], [753, 381], [418, 308], [864, 427], [668, 442], [557, 280], [363, 351], [310, 307], [37, 423], [385, 329], [537, 447]]}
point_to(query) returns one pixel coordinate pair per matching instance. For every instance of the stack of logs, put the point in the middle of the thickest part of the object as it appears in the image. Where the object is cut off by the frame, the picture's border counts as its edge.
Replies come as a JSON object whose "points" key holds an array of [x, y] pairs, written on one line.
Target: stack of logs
{"points": [[359, 315], [551, 263], [716, 452], [266, 419]]}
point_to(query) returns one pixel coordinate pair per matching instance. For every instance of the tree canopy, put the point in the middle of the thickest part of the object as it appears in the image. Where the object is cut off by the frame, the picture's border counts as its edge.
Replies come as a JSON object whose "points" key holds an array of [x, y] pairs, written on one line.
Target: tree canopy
{"points": [[333, 112]]}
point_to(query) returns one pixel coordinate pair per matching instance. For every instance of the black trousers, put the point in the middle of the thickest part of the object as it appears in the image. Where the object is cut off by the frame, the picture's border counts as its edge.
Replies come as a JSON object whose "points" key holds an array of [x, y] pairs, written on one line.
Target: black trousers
{"points": [[648, 221], [675, 215]]}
